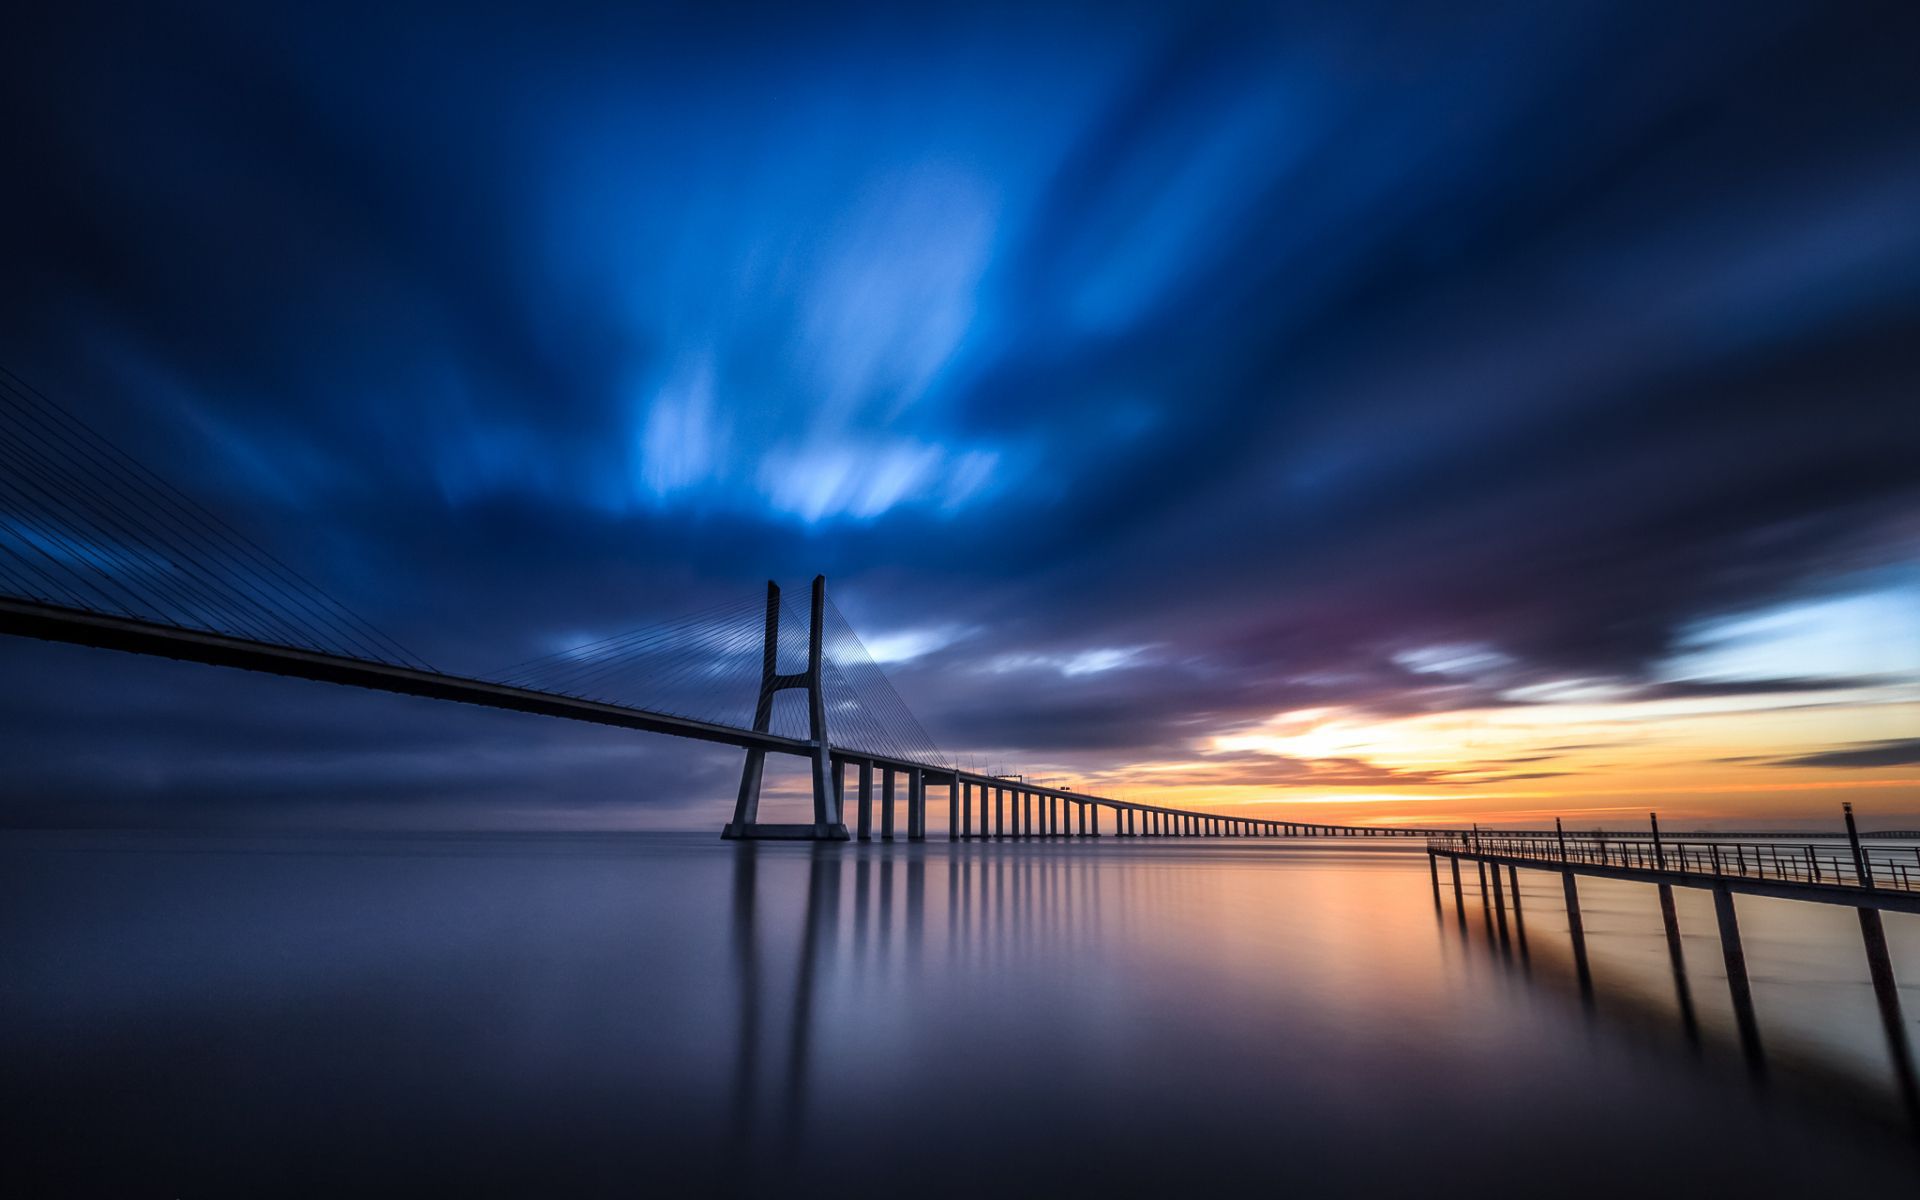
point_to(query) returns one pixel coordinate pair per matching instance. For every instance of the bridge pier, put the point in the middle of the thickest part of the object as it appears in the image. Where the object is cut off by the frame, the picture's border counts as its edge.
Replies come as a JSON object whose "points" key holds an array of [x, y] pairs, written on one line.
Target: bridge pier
{"points": [[866, 801], [828, 778], [959, 812], [886, 804], [916, 805]]}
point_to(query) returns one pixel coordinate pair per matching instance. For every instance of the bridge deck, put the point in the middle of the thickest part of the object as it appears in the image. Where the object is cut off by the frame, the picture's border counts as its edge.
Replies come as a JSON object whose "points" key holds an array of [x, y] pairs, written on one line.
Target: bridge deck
{"points": [[1795, 871]]}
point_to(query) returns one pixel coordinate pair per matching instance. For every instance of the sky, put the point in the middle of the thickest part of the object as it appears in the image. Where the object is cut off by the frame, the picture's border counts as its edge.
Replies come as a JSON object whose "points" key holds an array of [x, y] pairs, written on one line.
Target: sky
{"points": [[1372, 412]]}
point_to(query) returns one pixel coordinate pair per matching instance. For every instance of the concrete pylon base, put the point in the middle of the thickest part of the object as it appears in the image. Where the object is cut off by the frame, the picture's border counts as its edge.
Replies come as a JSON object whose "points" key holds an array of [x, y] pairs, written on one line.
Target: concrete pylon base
{"points": [[764, 832]]}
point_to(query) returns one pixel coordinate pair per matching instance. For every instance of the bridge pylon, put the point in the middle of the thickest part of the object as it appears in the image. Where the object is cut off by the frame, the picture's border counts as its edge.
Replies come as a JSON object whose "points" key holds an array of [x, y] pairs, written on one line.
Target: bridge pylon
{"points": [[827, 823]]}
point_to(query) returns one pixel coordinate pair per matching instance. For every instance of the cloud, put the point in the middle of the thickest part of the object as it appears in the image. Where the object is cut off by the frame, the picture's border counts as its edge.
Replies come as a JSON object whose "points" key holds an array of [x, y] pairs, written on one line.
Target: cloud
{"points": [[1894, 752], [1176, 361]]}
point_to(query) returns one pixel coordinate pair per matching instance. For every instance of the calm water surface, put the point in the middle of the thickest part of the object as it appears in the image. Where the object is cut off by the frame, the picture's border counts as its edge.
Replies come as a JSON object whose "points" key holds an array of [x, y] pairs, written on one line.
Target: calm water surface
{"points": [[666, 1014]]}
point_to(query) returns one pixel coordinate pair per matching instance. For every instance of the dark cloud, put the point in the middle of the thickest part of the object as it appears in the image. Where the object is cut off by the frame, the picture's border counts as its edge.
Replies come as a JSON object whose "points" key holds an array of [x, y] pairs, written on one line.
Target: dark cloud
{"points": [[1896, 752], [1256, 347]]}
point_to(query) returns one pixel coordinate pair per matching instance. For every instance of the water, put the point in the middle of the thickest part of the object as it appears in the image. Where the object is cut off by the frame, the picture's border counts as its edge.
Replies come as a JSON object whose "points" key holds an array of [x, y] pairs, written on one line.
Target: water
{"points": [[668, 1014]]}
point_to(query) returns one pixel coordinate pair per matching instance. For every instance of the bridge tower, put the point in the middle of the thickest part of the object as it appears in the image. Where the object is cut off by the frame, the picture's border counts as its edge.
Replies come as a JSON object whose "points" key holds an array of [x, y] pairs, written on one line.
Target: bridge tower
{"points": [[827, 824]]}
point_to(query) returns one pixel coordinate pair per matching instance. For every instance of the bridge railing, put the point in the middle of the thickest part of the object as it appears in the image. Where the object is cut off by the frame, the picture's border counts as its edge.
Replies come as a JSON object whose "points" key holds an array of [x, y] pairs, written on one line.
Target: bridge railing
{"points": [[1894, 868]]}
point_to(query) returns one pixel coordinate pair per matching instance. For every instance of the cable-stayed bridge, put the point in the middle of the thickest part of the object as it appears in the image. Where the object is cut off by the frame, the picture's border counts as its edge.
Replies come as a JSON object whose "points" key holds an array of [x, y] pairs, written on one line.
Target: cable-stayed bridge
{"points": [[98, 550]]}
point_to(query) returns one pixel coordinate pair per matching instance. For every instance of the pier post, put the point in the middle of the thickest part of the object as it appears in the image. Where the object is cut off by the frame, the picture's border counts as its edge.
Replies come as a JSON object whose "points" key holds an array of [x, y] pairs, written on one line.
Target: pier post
{"points": [[1737, 984], [1433, 873], [1459, 901], [1513, 877], [1860, 862]]}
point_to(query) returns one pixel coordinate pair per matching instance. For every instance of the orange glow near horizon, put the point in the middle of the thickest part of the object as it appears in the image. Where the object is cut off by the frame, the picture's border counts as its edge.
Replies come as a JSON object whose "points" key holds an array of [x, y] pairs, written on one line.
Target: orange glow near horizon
{"points": [[1713, 761]]}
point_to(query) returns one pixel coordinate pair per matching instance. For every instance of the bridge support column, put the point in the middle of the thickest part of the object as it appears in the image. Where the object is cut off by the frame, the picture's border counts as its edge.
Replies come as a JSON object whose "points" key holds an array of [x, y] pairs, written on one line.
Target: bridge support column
{"points": [[827, 823], [866, 801], [916, 805], [886, 804], [999, 812], [953, 810]]}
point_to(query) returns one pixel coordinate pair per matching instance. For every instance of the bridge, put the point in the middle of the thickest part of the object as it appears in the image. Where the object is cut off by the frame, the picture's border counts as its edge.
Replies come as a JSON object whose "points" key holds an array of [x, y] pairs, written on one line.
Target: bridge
{"points": [[98, 550]]}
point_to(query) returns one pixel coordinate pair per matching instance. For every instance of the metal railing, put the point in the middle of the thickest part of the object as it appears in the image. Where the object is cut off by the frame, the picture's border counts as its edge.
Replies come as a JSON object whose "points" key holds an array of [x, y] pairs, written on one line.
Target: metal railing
{"points": [[1894, 868]]}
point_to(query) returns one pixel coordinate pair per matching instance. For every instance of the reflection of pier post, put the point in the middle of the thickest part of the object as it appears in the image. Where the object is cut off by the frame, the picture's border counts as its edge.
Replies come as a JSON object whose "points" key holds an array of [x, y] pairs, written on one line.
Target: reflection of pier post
{"points": [[1737, 986], [1577, 932], [746, 965], [1676, 955], [823, 918], [1499, 904], [1887, 993]]}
